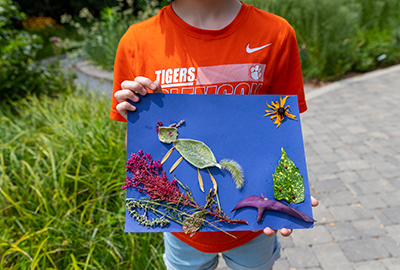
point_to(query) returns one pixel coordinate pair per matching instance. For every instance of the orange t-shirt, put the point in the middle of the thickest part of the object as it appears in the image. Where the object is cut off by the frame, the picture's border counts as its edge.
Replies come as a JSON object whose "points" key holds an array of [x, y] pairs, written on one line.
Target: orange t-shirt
{"points": [[255, 54]]}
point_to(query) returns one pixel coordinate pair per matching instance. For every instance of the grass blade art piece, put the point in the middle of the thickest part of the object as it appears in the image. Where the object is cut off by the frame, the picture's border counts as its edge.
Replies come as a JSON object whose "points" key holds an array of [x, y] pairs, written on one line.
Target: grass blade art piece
{"points": [[198, 154], [166, 201], [201, 183], [167, 155], [288, 182], [175, 164], [215, 186]]}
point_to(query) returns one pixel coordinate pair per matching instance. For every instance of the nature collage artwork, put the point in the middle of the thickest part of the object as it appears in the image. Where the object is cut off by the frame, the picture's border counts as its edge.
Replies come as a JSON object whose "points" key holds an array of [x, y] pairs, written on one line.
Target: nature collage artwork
{"points": [[216, 163]]}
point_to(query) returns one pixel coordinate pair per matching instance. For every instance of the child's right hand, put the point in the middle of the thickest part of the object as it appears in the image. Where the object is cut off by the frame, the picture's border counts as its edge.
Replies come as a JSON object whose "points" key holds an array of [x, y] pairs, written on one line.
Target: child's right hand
{"points": [[129, 91]]}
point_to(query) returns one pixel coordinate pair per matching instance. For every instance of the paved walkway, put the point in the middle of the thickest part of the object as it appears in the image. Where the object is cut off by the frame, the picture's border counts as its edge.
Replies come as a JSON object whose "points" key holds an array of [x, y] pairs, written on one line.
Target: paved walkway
{"points": [[352, 140]]}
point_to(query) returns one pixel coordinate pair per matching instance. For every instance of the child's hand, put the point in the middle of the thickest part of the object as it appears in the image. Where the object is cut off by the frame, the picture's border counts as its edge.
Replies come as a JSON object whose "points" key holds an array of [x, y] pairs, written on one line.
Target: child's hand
{"points": [[287, 232], [129, 91]]}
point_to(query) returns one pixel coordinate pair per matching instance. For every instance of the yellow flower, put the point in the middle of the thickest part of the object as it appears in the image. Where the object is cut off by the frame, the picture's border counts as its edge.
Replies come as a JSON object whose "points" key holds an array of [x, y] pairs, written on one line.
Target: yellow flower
{"points": [[279, 111]]}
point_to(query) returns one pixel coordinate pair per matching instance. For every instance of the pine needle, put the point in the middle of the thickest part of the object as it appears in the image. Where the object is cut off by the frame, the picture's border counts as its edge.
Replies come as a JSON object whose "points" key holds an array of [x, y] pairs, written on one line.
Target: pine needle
{"points": [[235, 170], [175, 164], [167, 155]]}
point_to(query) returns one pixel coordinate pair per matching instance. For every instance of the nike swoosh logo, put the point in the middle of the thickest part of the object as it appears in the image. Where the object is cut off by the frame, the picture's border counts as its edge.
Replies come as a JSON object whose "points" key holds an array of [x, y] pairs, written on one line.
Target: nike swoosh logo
{"points": [[249, 50]]}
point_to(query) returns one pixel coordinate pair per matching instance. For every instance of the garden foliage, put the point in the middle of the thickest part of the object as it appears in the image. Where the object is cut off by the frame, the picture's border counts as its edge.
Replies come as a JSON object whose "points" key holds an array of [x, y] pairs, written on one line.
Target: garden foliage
{"points": [[52, 35], [56, 8], [340, 36], [100, 40], [19, 74], [334, 37], [60, 188]]}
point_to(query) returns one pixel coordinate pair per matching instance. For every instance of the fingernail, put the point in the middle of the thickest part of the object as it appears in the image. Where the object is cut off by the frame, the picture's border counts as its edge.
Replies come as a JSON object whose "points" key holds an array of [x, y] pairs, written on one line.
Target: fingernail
{"points": [[153, 86]]}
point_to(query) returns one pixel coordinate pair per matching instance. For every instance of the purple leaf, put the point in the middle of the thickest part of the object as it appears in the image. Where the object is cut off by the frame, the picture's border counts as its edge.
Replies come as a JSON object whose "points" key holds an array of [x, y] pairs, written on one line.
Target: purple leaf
{"points": [[262, 204]]}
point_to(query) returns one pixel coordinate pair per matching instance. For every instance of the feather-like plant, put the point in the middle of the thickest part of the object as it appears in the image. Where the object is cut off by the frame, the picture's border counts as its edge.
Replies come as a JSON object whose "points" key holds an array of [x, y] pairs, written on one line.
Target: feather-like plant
{"points": [[235, 170]]}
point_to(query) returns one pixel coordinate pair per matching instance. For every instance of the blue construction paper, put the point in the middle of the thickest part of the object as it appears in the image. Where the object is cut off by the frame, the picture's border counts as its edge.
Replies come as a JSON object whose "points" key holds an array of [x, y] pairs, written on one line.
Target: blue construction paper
{"points": [[233, 127]]}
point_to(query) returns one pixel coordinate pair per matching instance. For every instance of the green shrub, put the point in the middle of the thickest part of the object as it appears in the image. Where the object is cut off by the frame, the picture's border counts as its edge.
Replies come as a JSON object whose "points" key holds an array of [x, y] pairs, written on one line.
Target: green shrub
{"points": [[52, 35], [62, 165], [100, 41], [19, 75], [56, 8], [325, 31], [379, 14], [336, 37], [378, 38], [376, 49]]}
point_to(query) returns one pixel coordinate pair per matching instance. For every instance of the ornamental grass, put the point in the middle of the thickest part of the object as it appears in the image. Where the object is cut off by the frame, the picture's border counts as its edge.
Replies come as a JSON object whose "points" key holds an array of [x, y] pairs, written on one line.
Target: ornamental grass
{"points": [[62, 164]]}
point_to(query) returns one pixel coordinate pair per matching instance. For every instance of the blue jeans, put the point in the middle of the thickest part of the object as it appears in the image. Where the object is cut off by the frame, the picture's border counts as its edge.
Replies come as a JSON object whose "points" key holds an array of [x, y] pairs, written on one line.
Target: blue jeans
{"points": [[258, 254]]}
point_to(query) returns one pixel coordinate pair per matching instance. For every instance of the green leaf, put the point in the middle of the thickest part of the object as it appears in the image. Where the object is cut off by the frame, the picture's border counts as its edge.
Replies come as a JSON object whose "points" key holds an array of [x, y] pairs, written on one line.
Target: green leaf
{"points": [[288, 182], [196, 153], [167, 134]]}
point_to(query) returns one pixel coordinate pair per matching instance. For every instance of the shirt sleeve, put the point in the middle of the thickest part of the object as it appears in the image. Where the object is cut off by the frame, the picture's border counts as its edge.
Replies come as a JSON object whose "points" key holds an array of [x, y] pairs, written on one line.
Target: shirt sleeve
{"points": [[123, 70], [288, 77]]}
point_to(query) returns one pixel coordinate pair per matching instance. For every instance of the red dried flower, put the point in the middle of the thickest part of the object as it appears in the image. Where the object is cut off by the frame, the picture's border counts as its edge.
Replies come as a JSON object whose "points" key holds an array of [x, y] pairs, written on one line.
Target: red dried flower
{"points": [[159, 124], [148, 177]]}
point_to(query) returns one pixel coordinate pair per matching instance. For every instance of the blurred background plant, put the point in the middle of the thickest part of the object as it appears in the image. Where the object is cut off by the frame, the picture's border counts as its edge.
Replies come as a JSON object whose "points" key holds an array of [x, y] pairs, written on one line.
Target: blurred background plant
{"points": [[61, 171], [52, 35], [56, 8], [19, 74], [378, 38], [335, 37], [338, 37], [100, 36]]}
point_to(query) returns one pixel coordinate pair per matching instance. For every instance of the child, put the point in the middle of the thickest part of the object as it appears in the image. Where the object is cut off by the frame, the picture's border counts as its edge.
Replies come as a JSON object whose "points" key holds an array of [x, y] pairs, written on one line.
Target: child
{"points": [[210, 47]]}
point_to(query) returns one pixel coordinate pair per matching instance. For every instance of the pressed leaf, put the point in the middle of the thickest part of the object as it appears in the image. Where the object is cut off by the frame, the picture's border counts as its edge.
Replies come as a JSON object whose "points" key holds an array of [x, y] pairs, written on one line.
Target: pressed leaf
{"points": [[196, 153], [193, 223], [214, 182], [288, 182], [167, 155], [167, 134], [200, 180], [175, 164], [262, 204]]}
